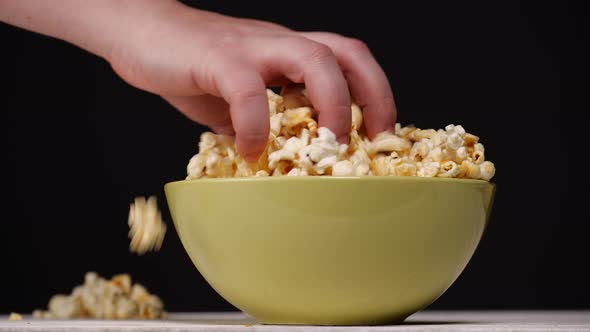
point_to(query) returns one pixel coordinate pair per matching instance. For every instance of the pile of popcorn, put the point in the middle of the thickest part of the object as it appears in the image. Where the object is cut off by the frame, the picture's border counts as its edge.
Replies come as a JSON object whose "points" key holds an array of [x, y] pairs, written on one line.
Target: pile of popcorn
{"points": [[146, 229], [297, 147], [105, 299]]}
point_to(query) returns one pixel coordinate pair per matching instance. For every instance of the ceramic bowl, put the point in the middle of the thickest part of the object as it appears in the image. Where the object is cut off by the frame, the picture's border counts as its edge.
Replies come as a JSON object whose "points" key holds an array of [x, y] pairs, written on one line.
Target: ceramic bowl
{"points": [[330, 250]]}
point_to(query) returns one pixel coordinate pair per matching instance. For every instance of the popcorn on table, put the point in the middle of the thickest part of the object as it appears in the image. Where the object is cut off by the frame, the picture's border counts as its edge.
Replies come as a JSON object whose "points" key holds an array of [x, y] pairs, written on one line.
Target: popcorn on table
{"points": [[297, 147], [99, 298], [15, 316]]}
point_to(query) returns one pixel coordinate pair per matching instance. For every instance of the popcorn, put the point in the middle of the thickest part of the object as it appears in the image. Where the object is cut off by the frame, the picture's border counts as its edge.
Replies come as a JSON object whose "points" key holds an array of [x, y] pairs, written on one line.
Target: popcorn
{"points": [[343, 168], [297, 147], [296, 118], [461, 154], [406, 169], [387, 142], [381, 165], [429, 169], [470, 140], [146, 227], [448, 169], [357, 117], [487, 170], [104, 299], [15, 316], [275, 102], [478, 157], [469, 170], [262, 173]]}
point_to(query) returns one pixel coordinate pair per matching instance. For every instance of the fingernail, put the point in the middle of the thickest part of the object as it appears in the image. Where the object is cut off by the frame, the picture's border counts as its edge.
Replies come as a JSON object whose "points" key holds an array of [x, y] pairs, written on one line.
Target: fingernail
{"points": [[251, 157]]}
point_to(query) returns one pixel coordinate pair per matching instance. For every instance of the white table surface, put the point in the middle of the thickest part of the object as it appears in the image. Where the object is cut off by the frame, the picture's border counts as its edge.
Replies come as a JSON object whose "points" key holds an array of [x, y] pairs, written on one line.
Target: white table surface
{"points": [[461, 321]]}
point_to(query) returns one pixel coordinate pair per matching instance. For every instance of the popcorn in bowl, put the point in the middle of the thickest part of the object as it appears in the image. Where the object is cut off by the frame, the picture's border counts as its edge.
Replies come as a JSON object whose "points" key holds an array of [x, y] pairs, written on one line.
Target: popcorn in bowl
{"points": [[99, 298], [297, 147]]}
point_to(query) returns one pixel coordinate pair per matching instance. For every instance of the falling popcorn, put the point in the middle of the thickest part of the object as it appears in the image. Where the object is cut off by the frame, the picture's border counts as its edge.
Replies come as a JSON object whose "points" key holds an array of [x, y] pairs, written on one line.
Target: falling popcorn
{"points": [[146, 227], [99, 298], [298, 147]]}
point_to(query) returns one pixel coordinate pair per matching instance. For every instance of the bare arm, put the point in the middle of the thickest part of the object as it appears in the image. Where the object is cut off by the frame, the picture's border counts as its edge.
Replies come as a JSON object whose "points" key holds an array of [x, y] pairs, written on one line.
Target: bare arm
{"points": [[215, 68]]}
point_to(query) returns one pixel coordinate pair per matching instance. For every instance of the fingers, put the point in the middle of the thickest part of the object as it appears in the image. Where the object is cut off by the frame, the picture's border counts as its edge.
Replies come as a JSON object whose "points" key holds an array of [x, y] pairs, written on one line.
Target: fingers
{"points": [[206, 109], [367, 81], [305, 61], [244, 90]]}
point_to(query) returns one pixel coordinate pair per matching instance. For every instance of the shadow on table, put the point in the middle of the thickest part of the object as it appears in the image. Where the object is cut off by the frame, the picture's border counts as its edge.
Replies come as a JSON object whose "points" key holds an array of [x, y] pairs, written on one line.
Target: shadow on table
{"points": [[429, 322]]}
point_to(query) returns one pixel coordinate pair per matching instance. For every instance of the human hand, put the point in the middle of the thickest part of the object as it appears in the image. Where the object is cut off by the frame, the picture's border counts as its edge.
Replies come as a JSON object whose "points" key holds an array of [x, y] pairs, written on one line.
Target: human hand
{"points": [[215, 68]]}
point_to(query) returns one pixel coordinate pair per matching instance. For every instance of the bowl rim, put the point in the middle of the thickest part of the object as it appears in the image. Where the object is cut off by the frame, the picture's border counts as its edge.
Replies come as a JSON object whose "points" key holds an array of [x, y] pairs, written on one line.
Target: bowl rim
{"points": [[319, 178]]}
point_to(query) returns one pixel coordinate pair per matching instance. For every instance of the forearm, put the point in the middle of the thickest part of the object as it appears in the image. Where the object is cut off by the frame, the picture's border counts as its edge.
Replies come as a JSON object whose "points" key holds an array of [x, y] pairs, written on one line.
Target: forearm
{"points": [[96, 26]]}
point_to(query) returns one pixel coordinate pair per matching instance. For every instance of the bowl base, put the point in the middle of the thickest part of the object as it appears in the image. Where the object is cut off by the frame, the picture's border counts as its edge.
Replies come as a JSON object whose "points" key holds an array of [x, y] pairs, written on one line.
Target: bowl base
{"points": [[335, 322]]}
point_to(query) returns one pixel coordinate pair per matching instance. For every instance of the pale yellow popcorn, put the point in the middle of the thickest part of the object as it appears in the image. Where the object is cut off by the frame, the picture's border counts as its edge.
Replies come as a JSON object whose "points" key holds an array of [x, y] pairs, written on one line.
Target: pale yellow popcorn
{"points": [[387, 142], [295, 144], [278, 143], [295, 171], [405, 132], [15, 316], [125, 308], [297, 147], [217, 166], [420, 150], [478, 157], [440, 138], [324, 146], [122, 282], [280, 155], [468, 169], [196, 166], [406, 169], [360, 163], [487, 170], [244, 168], [294, 97], [428, 169], [275, 102], [275, 124], [470, 140], [64, 307], [459, 130], [420, 134], [283, 167], [146, 227], [343, 168], [381, 165], [104, 299], [357, 117], [461, 154], [208, 142], [295, 119], [479, 147], [435, 154], [454, 141], [322, 166], [448, 169]]}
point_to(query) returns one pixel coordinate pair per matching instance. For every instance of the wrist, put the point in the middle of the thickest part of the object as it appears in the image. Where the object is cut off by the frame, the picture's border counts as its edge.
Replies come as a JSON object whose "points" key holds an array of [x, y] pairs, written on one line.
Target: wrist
{"points": [[96, 26]]}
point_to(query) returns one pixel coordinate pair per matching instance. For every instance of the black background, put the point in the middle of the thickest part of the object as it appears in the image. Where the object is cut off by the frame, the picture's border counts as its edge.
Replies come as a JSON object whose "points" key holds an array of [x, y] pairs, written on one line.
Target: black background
{"points": [[78, 144]]}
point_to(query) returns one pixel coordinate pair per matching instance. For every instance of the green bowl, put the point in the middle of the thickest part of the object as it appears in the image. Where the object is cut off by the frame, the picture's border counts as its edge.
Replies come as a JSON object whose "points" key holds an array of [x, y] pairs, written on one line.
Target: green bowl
{"points": [[330, 250]]}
